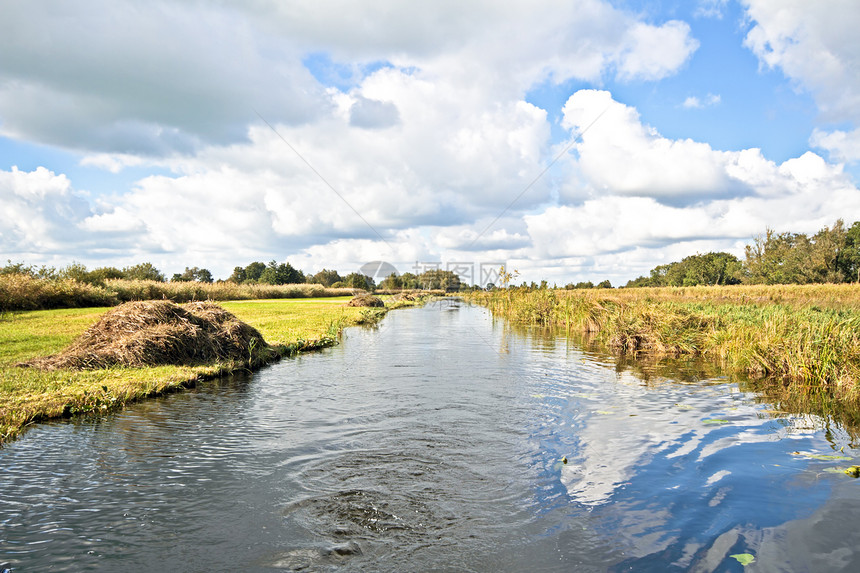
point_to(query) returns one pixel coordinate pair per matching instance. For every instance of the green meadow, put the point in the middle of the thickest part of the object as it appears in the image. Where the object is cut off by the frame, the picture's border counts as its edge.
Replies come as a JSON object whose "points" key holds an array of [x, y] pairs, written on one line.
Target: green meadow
{"points": [[28, 395]]}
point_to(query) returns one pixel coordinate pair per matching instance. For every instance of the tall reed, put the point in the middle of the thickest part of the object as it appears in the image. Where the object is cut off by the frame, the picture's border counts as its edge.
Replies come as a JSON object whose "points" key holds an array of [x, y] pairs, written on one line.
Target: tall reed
{"points": [[807, 338]]}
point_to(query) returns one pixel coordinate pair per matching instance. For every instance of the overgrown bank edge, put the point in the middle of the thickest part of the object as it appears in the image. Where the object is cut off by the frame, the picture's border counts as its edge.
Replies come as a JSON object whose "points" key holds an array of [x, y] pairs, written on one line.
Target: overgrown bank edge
{"points": [[805, 338], [29, 395]]}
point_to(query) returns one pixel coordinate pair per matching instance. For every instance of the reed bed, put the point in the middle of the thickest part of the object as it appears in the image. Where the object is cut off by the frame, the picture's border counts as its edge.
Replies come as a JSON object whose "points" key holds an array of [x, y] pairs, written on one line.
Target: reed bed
{"points": [[805, 339], [24, 292]]}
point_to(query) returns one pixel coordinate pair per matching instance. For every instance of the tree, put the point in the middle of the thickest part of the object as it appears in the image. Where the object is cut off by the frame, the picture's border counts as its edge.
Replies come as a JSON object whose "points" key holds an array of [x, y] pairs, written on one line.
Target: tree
{"points": [[204, 276], [604, 284], [848, 260], [391, 282], [143, 272], [238, 275], [409, 281], [100, 275], [280, 274], [436, 279], [707, 269], [193, 274], [822, 266], [254, 271], [358, 280], [326, 278], [794, 258], [75, 271]]}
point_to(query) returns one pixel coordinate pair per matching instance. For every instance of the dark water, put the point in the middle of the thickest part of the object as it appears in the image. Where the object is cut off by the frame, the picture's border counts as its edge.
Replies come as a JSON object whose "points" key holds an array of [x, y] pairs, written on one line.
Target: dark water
{"points": [[434, 443]]}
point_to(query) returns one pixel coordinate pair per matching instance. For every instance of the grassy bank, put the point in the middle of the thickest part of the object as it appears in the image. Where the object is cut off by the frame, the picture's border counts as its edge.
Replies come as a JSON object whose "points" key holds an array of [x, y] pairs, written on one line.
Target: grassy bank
{"points": [[29, 395], [805, 340]]}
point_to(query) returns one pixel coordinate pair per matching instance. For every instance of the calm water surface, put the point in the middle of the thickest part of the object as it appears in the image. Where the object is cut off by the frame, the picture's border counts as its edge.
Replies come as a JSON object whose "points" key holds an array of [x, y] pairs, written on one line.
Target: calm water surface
{"points": [[435, 443]]}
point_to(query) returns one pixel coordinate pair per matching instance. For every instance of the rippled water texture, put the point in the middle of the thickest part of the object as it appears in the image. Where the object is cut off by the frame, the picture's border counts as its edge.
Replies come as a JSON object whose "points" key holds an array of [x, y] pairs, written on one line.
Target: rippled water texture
{"points": [[435, 442]]}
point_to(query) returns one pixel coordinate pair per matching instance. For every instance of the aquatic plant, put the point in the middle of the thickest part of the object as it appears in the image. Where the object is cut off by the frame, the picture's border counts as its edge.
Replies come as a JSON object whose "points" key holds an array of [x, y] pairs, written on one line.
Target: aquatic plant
{"points": [[805, 336]]}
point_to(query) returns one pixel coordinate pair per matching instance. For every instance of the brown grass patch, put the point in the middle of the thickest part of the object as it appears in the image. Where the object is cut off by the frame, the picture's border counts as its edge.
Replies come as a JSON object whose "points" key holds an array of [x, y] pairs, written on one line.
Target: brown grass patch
{"points": [[153, 333]]}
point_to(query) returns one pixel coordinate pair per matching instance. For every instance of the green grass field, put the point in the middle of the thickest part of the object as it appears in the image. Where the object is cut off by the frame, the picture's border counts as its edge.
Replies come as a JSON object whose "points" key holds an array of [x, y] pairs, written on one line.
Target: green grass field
{"points": [[28, 395]]}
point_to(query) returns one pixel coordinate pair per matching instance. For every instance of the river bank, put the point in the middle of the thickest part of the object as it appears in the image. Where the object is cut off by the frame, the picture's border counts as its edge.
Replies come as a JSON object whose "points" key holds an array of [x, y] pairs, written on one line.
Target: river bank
{"points": [[29, 395], [803, 341]]}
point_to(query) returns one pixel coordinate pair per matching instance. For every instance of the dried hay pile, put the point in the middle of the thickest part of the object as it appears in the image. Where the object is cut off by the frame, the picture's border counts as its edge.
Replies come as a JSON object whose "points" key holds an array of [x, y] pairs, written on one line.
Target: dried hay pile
{"points": [[410, 296], [366, 300], [150, 333]]}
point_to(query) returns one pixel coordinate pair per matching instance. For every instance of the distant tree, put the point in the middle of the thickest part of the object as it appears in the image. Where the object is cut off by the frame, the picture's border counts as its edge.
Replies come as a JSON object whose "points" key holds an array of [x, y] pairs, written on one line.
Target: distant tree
{"points": [[391, 282], [438, 279], [326, 278], [848, 260], [22, 269], [100, 275], [707, 269], [358, 280], [604, 284], [409, 281], [280, 274], [254, 271], [825, 249], [640, 282], [75, 271], [143, 272], [193, 274], [778, 258], [238, 275]]}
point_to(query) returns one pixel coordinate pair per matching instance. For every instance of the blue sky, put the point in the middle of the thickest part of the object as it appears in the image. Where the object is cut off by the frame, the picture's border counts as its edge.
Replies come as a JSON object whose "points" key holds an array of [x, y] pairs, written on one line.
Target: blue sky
{"points": [[413, 132]]}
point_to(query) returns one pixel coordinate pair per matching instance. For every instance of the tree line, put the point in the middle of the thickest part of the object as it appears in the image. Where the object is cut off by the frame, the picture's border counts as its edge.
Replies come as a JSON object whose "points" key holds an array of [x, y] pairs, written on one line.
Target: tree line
{"points": [[79, 272], [832, 255]]}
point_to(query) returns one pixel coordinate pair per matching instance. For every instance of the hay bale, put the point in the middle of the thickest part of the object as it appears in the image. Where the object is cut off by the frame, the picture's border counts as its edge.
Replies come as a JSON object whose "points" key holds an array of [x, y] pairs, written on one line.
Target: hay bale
{"points": [[152, 333], [366, 300]]}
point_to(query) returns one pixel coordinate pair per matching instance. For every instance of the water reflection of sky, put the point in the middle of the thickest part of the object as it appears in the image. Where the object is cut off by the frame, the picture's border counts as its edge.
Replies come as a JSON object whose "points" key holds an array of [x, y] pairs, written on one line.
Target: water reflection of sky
{"points": [[680, 474]]}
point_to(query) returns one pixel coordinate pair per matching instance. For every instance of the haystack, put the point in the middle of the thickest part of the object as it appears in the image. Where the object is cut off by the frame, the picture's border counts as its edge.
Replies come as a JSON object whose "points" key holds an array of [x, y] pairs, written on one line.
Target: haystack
{"points": [[365, 300], [151, 333]]}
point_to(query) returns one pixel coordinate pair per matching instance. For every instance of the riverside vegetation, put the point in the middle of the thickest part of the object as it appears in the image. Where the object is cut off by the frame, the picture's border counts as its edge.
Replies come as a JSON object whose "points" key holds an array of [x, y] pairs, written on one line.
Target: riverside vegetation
{"points": [[28, 395], [801, 342]]}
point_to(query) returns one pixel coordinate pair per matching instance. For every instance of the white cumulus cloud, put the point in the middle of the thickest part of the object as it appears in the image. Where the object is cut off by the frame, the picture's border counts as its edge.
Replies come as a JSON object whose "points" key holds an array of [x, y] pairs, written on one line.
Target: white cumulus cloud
{"points": [[816, 44]]}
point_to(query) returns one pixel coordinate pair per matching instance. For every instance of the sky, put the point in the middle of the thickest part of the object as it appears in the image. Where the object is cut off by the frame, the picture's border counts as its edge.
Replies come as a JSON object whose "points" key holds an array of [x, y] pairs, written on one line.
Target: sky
{"points": [[570, 140]]}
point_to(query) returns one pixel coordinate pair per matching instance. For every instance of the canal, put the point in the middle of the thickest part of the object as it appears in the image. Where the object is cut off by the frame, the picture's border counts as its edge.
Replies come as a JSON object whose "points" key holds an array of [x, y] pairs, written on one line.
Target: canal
{"points": [[441, 440]]}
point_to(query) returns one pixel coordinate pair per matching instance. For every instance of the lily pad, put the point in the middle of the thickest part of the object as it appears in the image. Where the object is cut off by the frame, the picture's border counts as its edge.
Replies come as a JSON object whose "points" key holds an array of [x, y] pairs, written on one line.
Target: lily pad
{"points": [[715, 421], [822, 457], [744, 558]]}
